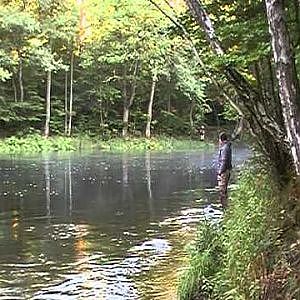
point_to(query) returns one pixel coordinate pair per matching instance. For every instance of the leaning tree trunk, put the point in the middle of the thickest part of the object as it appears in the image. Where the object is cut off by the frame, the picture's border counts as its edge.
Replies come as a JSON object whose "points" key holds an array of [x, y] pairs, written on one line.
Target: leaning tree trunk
{"points": [[71, 94], [48, 104], [262, 123], [286, 76], [150, 105]]}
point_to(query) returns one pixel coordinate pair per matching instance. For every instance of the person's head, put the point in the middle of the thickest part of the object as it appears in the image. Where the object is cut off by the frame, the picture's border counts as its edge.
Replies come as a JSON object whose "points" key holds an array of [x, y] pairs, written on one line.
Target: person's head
{"points": [[223, 138]]}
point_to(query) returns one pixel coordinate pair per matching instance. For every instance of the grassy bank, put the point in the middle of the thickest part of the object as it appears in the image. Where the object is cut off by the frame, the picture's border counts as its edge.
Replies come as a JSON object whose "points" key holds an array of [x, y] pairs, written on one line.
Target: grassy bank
{"points": [[37, 144], [251, 254]]}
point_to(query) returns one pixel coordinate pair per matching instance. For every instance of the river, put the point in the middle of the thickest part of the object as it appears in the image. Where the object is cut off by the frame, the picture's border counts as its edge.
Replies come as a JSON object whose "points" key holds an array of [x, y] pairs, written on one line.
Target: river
{"points": [[100, 225]]}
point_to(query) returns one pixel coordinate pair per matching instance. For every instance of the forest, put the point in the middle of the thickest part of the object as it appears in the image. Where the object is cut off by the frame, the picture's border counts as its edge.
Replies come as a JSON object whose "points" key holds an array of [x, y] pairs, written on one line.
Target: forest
{"points": [[154, 68], [102, 68]]}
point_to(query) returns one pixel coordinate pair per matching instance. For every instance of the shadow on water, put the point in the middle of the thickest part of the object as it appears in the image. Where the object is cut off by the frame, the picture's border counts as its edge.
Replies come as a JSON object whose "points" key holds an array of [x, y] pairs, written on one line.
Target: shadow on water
{"points": [[101, 226]]}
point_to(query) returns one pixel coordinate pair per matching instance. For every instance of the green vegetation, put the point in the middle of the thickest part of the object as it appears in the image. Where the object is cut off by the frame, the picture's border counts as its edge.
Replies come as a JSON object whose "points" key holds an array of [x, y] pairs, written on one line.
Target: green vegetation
{"points": [[244, 256], [35, 143], [136, 68], [101, 68], [157, 144]]}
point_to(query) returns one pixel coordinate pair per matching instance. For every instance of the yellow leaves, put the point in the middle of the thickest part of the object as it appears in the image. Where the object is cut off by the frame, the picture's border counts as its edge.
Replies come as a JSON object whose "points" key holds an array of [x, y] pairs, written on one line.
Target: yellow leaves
{"points": [[229, 11], [227, 8], [35, 42], [234, 48], [249, 76], [14, 55]]}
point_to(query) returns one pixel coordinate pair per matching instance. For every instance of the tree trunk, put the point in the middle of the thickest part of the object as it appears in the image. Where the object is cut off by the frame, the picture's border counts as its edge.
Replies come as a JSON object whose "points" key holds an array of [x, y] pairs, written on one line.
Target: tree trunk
{"points": [[274, 92], [261, 121], [127, 103], [150, 105], [66, 103], [297, 21], [286, 76], [21, 86], [14, 88], [257, 72], [191, 114], [125, 120], [71, 94], [101, 114], [48, 104], [169, 96]]}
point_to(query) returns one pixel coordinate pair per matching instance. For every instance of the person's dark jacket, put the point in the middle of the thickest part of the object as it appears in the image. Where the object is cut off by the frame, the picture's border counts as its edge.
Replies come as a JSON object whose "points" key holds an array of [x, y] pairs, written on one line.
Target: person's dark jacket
{"points": [[225, 157]]}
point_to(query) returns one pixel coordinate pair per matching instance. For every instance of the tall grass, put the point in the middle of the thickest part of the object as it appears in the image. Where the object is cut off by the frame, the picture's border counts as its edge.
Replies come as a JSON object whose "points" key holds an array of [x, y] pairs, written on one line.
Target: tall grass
{"points": [[230, 258]]}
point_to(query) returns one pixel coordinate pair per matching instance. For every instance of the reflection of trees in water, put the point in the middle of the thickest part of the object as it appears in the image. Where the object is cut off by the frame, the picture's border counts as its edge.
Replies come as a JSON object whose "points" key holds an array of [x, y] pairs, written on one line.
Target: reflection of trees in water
{"points": [[136, 187], [148, 179], [125, 170], [141, 188], [47, 187], [70, 187]]}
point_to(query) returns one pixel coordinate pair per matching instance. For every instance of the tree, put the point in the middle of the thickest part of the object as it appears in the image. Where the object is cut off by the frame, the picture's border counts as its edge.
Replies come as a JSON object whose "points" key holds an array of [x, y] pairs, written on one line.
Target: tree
{"points": [[269, 133], [286, 76]]}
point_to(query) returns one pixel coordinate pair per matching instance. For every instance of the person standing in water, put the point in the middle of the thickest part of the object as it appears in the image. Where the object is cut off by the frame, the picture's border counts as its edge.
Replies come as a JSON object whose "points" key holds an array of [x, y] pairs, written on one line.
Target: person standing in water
{"points": [[224, 167]]}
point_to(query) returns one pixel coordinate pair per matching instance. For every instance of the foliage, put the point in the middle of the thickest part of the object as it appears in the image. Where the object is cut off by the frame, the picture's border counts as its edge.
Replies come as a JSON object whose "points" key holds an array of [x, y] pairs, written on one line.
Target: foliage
{"points": [[230, 258], [205, 256], [34, 143], [157, 144], [108, 38]]}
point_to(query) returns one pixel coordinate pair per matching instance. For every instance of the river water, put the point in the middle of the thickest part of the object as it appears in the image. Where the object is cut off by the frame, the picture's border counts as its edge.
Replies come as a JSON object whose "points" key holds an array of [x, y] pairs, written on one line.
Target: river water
{"points": [[102, 226]]}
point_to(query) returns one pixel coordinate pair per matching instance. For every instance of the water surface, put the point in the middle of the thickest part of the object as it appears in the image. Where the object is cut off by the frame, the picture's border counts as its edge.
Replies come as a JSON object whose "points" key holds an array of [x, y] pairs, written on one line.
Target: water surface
{"points": [[101, 226]]}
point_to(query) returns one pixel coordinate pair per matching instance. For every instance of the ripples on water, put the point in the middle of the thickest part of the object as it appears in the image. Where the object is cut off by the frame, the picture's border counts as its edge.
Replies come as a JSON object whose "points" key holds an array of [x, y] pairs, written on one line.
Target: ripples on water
{"points": [[101, 226]]}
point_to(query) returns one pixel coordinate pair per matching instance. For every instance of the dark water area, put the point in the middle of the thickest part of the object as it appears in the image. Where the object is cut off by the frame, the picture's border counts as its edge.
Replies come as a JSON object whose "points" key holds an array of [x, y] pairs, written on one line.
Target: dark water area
{"points": [[102, 226]]}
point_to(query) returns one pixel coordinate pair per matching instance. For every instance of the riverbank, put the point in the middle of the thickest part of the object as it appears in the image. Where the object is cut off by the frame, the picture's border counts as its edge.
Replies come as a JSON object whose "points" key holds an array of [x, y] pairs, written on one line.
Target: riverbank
{"points": [[38, 144], [254, 253]]}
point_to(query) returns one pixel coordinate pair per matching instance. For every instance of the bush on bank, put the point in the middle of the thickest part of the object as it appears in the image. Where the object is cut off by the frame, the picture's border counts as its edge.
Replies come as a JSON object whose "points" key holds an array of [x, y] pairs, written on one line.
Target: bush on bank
{"points": [[35, 143], [245, 256]]}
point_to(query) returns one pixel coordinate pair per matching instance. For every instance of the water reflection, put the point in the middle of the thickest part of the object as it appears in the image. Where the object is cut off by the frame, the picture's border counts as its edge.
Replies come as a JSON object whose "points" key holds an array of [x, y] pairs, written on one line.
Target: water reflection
{"points": [[101, 226]]}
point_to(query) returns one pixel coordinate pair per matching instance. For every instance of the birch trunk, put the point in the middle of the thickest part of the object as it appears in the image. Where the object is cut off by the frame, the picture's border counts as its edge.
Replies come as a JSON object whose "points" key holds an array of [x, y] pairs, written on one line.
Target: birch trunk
{"points": [[125, 120], [71, 94], [48, 104], [21, 86], [286, 76], [261, 120], [150, 105], [127, 103], [66, 103]]}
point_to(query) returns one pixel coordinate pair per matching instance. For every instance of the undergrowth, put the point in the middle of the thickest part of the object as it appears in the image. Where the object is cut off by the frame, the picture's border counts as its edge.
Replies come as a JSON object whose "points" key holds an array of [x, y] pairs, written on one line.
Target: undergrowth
{"points": [[35, 143], [231, 259]]}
